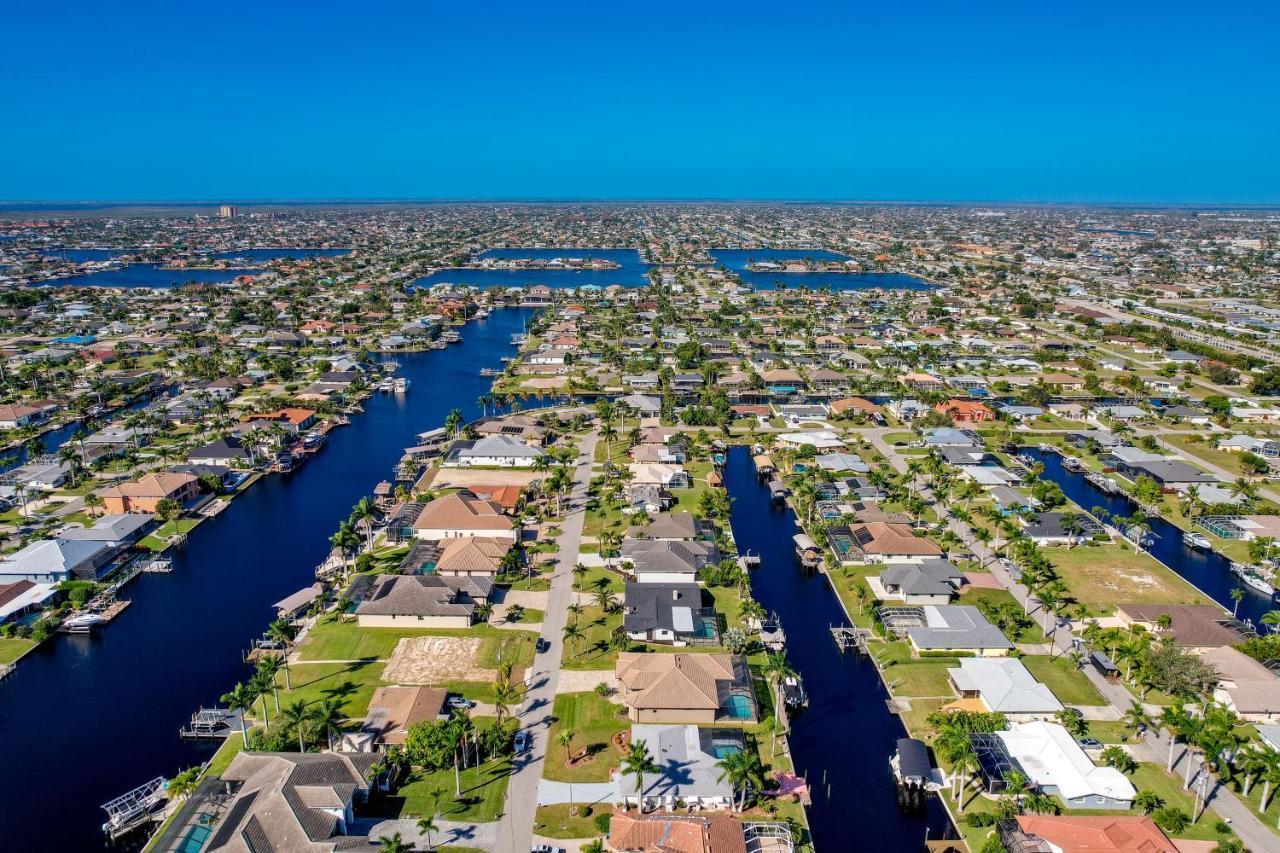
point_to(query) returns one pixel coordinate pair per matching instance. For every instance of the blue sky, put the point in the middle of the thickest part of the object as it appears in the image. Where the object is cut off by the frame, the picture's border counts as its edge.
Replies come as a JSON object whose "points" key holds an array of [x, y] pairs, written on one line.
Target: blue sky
{"points": [[1027, 101]]}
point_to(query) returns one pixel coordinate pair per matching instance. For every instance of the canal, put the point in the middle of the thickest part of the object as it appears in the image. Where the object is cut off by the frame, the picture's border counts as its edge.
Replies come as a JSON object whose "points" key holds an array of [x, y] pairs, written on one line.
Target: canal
{"points": [[846, 735], [1207, 570], [85, 719]]}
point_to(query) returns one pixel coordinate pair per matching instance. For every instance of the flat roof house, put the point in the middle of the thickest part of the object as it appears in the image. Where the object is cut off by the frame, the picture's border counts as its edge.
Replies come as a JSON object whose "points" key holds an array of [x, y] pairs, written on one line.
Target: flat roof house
{"points": [[1052, 761], [57, 560], [950, 627], [686, 771], [499, 451]]}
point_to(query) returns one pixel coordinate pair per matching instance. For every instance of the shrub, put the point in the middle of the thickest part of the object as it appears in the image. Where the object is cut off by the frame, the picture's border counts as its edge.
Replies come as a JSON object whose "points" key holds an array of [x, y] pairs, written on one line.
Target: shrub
{"points": [[1172, 819], [602, 822]]}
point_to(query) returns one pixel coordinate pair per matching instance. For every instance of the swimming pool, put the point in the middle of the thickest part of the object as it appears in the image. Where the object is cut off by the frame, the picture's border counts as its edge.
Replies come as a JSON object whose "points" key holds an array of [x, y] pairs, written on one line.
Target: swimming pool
{"points": [[737, 707], [195, 838]]}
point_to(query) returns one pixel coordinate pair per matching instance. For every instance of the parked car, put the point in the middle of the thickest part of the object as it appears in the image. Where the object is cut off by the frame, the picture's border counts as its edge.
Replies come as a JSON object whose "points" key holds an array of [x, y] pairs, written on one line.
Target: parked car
{"points": [[1089, 743], [460, 702], [542, 645], [524, 742]]}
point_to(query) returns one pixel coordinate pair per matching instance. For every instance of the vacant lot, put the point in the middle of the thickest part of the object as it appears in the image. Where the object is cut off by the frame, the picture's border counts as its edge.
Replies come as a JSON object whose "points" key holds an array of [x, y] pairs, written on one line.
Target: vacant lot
{"points": [[432, 660], [1103, 576]]}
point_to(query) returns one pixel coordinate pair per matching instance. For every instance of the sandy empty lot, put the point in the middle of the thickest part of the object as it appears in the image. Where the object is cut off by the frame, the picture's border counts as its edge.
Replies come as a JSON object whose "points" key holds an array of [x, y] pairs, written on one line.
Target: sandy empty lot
{"points": [[433, 660], [465, 478]]}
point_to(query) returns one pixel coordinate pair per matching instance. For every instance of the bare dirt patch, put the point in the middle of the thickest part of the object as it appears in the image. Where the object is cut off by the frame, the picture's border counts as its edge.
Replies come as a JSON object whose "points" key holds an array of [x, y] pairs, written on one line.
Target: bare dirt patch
{"points": [[434, 660]]}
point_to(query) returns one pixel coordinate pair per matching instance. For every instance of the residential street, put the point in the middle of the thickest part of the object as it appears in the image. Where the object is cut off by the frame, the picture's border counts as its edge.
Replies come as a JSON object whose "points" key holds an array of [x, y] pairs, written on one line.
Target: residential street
{"points": [[515, 829]]}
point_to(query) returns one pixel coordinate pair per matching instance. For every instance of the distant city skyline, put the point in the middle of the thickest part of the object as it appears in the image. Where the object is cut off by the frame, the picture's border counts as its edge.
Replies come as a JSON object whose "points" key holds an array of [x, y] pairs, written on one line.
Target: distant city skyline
{"points": [[997, 103]]}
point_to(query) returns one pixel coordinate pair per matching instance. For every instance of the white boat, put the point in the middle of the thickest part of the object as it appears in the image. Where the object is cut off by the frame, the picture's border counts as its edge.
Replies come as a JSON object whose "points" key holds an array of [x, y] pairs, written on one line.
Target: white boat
{"points": [[401, 385], [83, 623], [387, 384], [1252, 579], [1196, 540]]}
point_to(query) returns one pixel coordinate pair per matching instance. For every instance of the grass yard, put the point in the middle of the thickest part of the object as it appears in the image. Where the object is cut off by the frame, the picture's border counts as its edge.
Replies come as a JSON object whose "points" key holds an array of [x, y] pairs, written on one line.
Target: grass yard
{"points": [[1100, 576], [557, 822], [914, 676], [1061, 676], [353, 683], [12, 648], [594, 721], [591, 650], [483, 791], [1030, 634], [345, 640]]}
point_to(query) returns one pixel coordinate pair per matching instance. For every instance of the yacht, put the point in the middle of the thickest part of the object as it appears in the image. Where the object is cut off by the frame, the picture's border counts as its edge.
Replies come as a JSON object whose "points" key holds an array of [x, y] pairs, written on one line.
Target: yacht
{"points": [[401, 385], [793, 692], [1252, 579], [1196, 540], [82, 623]]}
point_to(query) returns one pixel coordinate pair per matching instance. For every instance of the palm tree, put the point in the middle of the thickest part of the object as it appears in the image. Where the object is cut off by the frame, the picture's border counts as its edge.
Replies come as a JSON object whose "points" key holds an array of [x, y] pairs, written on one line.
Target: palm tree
{"points": [[579, 573], [393, 844], [572, 633], [1176, 720], [240, 699], [743, 770], [565, 739], [504, 695], [1148, 801], [268, 668], [1268, 770], [1236, 595], [346, 540], [297, 717], [364, 514], [1271, 619], [427, 825], [327, 716], [637, 763], [181, 787]]}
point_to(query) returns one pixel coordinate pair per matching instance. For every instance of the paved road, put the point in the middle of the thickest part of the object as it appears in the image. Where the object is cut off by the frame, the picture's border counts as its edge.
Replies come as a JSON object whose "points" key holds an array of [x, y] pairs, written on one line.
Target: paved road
{"points": [[515, 828]]}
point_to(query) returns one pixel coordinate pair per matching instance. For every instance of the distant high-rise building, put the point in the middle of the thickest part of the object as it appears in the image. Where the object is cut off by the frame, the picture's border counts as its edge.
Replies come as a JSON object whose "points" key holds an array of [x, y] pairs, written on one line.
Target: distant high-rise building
{"points": [[227, 211]]}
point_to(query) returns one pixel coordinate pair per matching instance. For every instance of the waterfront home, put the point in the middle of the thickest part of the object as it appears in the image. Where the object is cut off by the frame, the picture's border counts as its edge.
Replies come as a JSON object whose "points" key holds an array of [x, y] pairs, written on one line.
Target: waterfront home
{"points": [[949, 628], [854, 406], [640, 833], [497, 451], [292, 420], [821, 439], [1060, 528], [57, 560], [667, 613], [660, 687], [1087, 834], [908, 410], [1170, 474], [965, 411], [468, 556], [18, 415], [950, 437], [228, 452], [392, 710], [1197, 627], [841, 462], [522, 427], [1004, 686], [146, 492], [18, 598], [422, 601], [1052, 761], [672, 527], [666, 476], [463, 514], [1266, 447], [888, 542], [931, 581], [686, 768], [117, 531], [1246, 686], [666, 561], [44, 473], [299, 802]]}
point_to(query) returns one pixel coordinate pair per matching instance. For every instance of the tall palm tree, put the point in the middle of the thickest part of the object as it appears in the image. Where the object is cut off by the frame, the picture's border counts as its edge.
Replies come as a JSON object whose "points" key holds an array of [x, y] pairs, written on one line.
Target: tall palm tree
{"points": [[393, 844], [505, 694], [744, 771], [239, 699], [268, 668], [427, 825], [638, 762], [572, 633], [364, 514], [327, 716], [297, 717]]}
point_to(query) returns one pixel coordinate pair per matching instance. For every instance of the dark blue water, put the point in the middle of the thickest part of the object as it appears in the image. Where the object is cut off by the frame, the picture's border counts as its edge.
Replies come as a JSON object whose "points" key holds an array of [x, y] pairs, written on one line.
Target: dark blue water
{"points": [[632, 271], [85, 719], [55, 438], [737, 260], [1208, 570], [260, 255], [147, 275], [846, 735]]}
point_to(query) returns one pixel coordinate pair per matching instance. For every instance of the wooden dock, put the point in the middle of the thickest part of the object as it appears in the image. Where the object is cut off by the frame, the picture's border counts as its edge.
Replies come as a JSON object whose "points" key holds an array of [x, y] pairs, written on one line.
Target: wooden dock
{"points": [[851, 639]]}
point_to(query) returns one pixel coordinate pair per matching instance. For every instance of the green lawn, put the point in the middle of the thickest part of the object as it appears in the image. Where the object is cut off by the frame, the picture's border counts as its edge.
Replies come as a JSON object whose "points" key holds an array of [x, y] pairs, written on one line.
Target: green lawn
{"points": [[1061, 676], [483, 791], [1101, 576], [557, 822], [353, 683], [13, 648], [910, 676], [1030, 634], [345, 640], [594, 721], [591, 650]]}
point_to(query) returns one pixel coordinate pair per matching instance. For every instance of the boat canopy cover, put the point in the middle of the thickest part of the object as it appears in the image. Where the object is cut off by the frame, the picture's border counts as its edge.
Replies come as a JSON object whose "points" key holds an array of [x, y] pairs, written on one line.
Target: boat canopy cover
{"points": [[913, 759], [803, 542]]}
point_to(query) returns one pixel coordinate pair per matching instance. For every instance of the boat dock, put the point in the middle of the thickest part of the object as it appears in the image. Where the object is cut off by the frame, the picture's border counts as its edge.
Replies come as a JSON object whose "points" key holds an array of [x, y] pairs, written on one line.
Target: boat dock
{"points": [[211, 724], [135, 809], [851, 638]]}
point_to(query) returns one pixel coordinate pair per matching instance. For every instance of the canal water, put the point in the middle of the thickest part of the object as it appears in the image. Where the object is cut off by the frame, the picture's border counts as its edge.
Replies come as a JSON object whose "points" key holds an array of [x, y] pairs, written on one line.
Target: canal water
{"points": [[147, 275], [1207, 570], [737, 260], [85, 719], [846, 736]]}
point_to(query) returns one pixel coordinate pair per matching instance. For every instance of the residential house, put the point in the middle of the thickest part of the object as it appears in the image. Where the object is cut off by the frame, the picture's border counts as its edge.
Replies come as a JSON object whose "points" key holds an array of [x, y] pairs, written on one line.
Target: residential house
{"points": [[463, 514], [422, 601], [1051, 760], [659, 687], [686, 769], [666, 613], [1004, 686], [145, 493]]}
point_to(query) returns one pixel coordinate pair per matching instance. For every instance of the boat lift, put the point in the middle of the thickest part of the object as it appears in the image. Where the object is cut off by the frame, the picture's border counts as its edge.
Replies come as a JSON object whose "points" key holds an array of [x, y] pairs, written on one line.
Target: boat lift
{"points": [[134, 809]]}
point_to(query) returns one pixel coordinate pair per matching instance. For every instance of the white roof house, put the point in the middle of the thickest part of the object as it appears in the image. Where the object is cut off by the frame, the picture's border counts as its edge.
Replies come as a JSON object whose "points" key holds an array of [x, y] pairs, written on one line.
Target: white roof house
{"points": [[687, 769], [821, 438], [1053, 761], [1004, 685], [498, 450]]}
